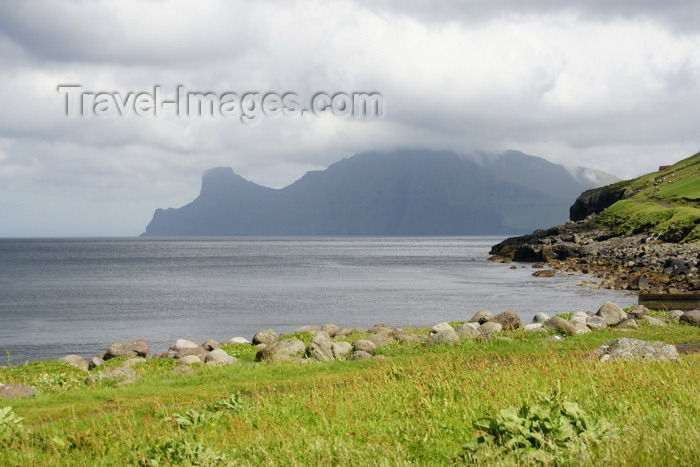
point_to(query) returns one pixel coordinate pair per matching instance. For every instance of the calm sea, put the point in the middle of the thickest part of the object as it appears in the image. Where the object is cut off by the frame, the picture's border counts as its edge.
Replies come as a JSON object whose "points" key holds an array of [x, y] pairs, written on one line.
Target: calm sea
{"points": [[61, 296]]}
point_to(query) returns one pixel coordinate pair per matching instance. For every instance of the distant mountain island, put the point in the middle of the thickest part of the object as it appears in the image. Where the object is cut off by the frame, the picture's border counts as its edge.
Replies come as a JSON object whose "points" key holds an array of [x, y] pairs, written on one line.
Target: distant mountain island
{"points": [[401, 193]]}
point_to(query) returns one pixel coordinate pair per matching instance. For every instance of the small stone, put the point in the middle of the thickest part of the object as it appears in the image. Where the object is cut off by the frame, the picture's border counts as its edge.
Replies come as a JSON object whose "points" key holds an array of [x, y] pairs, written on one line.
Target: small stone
{"points": [[16, 391]]}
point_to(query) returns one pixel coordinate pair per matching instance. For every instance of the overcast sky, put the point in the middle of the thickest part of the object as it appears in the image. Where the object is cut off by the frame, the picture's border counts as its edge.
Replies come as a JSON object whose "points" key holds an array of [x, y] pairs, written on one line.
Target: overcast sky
{"points": [[608, 85]]}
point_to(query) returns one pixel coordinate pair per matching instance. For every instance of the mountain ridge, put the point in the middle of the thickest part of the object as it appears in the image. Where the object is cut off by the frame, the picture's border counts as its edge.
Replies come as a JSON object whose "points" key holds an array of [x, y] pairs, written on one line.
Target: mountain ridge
{"points": [[403, 192]]}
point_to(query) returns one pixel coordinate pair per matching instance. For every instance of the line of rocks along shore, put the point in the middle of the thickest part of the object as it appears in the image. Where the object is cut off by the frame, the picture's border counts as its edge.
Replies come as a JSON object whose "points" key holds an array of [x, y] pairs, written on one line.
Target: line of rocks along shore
{"points": [[639, 262], [332, 342]]}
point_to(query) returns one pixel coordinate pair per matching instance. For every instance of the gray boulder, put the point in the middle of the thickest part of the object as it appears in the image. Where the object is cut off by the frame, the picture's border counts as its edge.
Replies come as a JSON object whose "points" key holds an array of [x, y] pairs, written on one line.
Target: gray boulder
{"points": [[321, 349], [344, 331], [313, 328], [638, 311], [508, 319], [381, 339], [182, 344], [560, 325], [95, 362], [381, 329], [282, 350], [627, 324], [267, 337], [219, 357], [138, 348], [189, 359], [653, 321], [406, 337], [676, 315], [481, 317], [16, 391], [365, 346], [76, 361], [540, 318], [237, 340], [330, 329], [341, 350], [633, 349], [446, 336], [489, 328], [440, 327], [132, 361], [360, 355], [532, 326], [611, 313], [468, 331], [119, 374], [597, 323], [691, 317], [210, 344]]}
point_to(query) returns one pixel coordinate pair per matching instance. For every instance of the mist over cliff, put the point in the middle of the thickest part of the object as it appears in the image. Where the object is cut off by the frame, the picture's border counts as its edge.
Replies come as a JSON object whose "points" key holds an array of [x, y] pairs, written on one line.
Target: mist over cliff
{"points": [[405, 192]]}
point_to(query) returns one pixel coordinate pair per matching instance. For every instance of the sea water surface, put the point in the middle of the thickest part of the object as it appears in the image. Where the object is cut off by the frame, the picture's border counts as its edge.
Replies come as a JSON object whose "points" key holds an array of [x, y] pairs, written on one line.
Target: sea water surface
{"points": [[63, 296]]}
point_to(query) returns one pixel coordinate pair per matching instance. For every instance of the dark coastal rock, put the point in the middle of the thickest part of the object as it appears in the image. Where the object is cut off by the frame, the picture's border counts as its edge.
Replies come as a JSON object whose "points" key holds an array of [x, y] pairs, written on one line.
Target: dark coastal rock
{"points": [[509, 320], [76, 361], [481, 317], [691, 317], [560, 325], [16, 391], [611, 313], [594, 201], [137, 348], [267, 337], [364, 345], [625, 349]]}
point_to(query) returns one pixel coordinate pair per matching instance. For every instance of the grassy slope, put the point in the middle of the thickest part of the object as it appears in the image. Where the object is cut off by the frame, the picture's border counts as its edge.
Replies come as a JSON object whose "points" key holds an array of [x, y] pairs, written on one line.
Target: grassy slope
{"points": [[666, 203], [415, 408]]}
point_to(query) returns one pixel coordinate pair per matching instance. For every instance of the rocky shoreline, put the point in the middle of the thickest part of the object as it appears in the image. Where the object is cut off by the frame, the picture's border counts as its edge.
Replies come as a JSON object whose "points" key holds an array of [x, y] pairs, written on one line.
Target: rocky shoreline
{"points": [[331, 342], [637, 262]]}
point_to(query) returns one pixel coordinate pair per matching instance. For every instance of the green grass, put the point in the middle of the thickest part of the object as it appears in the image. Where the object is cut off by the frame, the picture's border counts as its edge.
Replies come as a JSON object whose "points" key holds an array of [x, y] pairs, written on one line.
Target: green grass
{"points": [[418, 407], [666, 203]]}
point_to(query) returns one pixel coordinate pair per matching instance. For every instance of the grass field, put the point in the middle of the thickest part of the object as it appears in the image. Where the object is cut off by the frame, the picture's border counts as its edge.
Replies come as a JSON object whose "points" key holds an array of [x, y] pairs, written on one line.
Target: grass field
{"points": [[419, 406]]}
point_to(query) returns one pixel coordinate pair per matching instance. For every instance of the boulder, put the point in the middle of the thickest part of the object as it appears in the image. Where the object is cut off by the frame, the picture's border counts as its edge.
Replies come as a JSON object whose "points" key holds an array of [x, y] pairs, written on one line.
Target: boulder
{"points": [[490, 327], [596, 323], [691, 317], [611, 313], [267, 337], [446, 336], [560, 325], [638, 311], [189, 359], [467, 331], [540, 318], [365, 346], [406, 337], [633, 349], [381, 339], [360, 355], [76, 361], [219, 357], [508, 319], [184, 370], [381, 329], [341, 350], [627, 324], [344, 331], [138, 348], [118, 374], [95, 362], [282, 350], [16, 391], [321, 349], [440, 327], [532, 326], [653, 321], [210, 344], [330, 329], [182, 344], [676, 315], [132, 361], [481, 317], [313, 328], [237, 340]]}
